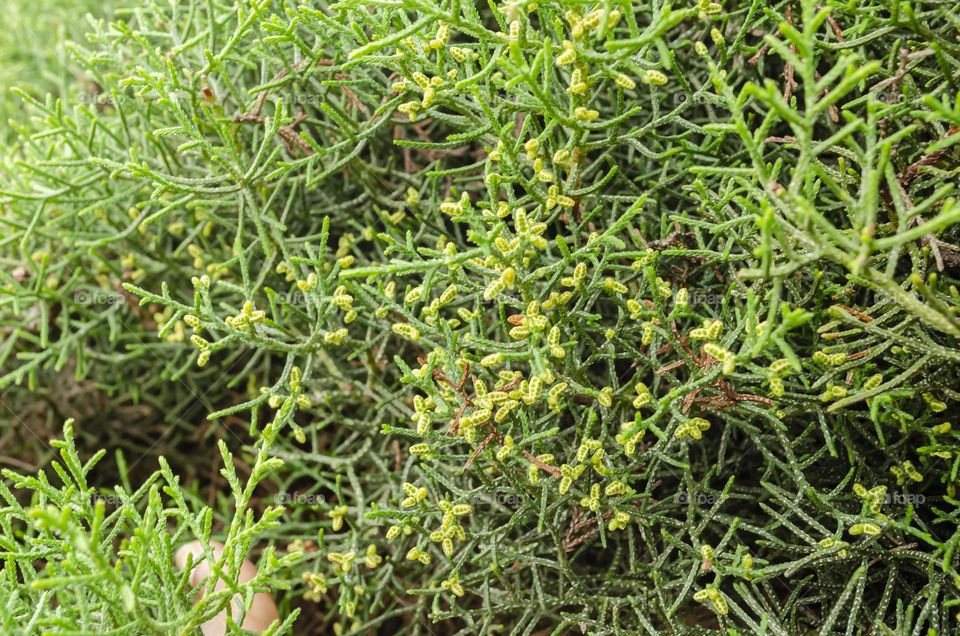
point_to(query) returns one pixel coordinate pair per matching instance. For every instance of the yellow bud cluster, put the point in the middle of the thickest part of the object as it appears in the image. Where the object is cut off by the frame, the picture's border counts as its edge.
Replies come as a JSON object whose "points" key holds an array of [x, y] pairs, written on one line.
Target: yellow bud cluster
{"points": [[555, 394], [581, 113], [592, 501], [568, 474], [533, 471], [614, 286], [336, 516], [414, 495], [655, 78], [568, 56], [619, 521], [937, 406], [406, 330], [554, 198], [829, 360], [715, 598], [342, 561], [873, 499], [417, 554], [247, 317], [718, 353], [629, 436], [906, 471], [833, 392], [579, 273], [452, 585], [335, 337], [692, 428], [706, 8], [643, 396]]}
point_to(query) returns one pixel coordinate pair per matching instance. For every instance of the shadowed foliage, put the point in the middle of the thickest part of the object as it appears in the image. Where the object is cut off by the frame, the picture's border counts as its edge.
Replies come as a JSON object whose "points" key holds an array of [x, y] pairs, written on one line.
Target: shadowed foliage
{"points": [[529, 318]]}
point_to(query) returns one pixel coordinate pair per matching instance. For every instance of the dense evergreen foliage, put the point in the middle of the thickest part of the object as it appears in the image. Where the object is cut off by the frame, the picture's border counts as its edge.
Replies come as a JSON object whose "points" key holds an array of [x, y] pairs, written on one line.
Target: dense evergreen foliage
{"points": [[524, 317]]}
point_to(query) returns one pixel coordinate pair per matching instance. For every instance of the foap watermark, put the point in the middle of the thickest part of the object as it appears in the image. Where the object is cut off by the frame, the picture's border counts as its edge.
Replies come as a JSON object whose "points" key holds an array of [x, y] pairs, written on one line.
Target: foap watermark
{"points": [[111, 500], [701, 299], [701, 98], [103, 298], [304, 100], [284, 498], [102, 100], [892, 498], [697, 497], [905, 499], [295, 298], [498, 499]]}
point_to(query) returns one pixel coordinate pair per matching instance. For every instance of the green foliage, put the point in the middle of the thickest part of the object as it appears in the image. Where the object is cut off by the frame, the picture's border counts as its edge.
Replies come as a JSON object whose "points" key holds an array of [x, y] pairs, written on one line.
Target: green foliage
{"points": [[31, 51], [625, 317], [79, 561]]}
